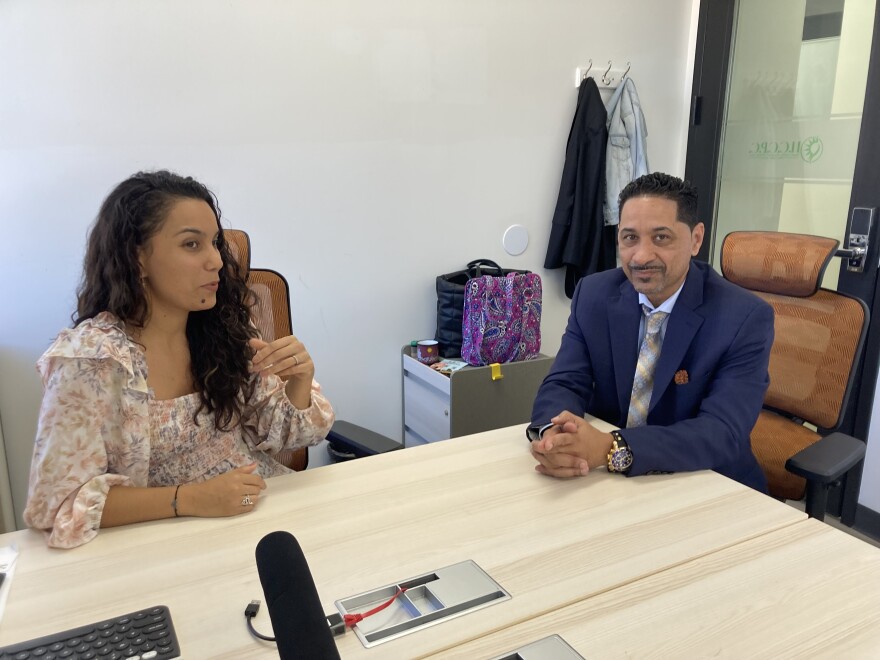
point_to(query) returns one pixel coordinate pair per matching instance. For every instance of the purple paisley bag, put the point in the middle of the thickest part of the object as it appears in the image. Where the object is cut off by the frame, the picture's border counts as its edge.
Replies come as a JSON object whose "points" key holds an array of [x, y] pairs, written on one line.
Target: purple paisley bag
{"points": [[502, 319]]}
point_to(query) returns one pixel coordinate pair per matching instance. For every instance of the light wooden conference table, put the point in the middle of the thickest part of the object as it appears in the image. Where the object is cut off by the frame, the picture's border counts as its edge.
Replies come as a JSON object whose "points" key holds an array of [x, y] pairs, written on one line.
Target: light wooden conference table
{"points": [[633, 550]]}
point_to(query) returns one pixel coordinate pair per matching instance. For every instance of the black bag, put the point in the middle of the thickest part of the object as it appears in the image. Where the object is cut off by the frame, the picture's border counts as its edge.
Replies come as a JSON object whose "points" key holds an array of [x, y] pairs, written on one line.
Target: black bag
{"points": [[450, 302]]}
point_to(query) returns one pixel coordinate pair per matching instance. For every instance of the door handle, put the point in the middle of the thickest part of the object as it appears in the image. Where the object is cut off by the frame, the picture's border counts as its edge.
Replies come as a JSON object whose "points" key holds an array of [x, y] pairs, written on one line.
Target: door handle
{"points": [[856, 255], [858, 239]]}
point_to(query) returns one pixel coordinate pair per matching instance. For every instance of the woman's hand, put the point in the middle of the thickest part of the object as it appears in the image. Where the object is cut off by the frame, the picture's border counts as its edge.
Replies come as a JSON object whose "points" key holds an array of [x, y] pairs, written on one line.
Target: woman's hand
{"points": [[288, 358], [229, 494]]}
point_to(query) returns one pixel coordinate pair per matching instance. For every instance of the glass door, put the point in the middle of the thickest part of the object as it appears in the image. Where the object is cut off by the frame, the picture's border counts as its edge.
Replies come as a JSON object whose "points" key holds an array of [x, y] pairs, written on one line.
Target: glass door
{"points": [[785, 136], [796, 92]]}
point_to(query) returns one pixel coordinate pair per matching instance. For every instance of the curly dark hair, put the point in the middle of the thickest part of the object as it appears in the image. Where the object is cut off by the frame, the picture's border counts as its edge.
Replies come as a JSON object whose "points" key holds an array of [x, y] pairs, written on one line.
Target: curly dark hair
{"points": [[658, 184], [218, 337]]}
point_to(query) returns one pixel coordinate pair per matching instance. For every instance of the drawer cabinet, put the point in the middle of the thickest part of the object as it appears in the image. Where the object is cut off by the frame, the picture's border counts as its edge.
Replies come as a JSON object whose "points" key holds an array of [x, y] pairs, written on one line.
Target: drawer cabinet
{"points": [[438, 407]]}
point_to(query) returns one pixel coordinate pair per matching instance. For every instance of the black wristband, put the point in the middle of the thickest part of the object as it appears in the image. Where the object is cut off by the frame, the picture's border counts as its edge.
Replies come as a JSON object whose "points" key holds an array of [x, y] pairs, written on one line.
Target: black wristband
{"points": [[621, 441], [536, 432]]}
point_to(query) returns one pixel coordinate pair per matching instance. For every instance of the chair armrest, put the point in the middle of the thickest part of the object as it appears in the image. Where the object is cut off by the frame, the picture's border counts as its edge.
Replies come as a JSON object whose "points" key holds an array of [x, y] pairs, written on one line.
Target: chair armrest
{"points": [[828, 459], [359, 441]]}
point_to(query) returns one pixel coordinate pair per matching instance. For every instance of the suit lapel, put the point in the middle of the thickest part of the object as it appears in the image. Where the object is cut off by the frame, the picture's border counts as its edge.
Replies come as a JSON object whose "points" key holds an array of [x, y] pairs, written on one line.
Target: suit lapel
{"points": [[624, 315], [683, 325]]}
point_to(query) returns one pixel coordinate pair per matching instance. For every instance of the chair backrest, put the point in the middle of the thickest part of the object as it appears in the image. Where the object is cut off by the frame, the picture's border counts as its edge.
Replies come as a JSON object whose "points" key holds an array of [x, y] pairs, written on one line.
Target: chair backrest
{"points": [[240, 246], [272, 308], [270, 313], [819, 333]]}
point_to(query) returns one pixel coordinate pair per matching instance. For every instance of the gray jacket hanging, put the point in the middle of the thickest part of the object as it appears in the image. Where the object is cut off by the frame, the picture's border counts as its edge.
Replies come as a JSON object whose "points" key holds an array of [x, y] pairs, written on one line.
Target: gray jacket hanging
{"points": [[627, 154]]}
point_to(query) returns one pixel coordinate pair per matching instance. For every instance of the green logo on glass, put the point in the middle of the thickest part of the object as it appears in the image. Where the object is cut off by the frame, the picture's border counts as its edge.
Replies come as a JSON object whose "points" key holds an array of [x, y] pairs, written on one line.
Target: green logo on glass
{"points": [[809, 149]]}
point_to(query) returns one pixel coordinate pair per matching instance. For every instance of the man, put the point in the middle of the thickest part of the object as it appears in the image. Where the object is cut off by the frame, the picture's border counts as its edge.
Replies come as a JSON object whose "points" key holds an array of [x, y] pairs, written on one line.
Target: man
{"points": [[664, 348]]}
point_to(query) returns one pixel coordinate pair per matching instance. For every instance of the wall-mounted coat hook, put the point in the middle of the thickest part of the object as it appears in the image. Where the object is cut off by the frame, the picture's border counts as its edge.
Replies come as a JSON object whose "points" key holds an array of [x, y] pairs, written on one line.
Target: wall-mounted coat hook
{"points": [[605, 79], [581, 73]]}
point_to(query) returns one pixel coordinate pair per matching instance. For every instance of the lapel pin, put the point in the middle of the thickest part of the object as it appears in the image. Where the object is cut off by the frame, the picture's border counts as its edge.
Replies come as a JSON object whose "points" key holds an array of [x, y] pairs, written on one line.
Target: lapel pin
{"points": [[681, 377]]}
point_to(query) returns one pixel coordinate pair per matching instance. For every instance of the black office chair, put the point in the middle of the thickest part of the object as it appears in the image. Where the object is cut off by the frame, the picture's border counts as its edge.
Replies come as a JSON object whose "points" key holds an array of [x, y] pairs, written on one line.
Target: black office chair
{"points": [[819, 336], [271, 314]]}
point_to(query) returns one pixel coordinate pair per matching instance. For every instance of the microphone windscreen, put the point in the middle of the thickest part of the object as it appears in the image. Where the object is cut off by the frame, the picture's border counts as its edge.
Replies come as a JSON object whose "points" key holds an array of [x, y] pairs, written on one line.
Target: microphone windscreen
{"points": [[301, 628]]}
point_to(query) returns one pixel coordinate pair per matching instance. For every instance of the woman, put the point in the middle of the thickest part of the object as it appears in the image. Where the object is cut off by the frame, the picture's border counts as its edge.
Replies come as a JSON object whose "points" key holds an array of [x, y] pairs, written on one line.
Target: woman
{"points": [[161, 401]]}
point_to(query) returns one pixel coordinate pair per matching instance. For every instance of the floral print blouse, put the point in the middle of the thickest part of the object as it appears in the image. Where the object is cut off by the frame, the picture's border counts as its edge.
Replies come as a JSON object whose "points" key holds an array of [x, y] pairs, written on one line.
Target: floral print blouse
{"points": [[100, 426]]}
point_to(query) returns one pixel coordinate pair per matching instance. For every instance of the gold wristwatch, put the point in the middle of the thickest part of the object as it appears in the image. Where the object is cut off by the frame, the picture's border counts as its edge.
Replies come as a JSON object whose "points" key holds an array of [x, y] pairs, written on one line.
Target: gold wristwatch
{"points": [[620, 458]]}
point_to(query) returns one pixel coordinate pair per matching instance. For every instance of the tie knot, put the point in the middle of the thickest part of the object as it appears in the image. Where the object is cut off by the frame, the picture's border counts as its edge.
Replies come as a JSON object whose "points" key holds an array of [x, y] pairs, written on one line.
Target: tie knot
{"points": [[654, 320]]}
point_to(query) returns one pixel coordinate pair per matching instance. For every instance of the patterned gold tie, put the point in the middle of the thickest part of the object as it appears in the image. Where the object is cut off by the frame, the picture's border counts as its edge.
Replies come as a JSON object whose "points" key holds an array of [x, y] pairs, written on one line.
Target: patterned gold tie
{"points": [[643, 383]]}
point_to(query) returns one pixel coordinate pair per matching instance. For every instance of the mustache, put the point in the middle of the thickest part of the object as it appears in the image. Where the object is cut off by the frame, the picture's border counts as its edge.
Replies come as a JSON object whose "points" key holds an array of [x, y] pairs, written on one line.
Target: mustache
{"points": [[646, 267]]}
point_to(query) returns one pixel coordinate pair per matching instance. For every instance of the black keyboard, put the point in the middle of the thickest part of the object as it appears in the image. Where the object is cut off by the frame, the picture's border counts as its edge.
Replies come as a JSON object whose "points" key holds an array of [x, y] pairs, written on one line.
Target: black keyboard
{"points": [[144, 635]]}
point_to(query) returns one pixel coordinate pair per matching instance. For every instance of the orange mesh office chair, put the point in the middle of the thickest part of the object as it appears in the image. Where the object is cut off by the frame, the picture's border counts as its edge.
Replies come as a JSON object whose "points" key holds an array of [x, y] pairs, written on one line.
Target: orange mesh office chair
{"points": [[272, 318], [819, 335], [271, 315]]}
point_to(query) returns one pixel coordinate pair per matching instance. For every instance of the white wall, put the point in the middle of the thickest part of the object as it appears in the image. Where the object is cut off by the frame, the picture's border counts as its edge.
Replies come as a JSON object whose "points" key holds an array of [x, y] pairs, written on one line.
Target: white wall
{"points": [[869, 492], [365, 146]]}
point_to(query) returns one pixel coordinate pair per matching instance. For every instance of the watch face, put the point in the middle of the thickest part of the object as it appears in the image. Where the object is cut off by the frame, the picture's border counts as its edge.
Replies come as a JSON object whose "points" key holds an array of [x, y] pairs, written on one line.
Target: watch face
{"points": [[621, 460]]}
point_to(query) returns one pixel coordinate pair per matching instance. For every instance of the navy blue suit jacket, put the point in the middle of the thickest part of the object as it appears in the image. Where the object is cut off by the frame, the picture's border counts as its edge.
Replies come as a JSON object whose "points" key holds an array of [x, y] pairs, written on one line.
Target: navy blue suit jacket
{"points": [[718, 333]]}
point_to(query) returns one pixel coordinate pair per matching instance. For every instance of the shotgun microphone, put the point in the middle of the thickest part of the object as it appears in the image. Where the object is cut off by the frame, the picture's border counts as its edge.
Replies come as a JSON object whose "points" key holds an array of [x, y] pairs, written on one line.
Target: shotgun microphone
{"points": [[301, 628]]}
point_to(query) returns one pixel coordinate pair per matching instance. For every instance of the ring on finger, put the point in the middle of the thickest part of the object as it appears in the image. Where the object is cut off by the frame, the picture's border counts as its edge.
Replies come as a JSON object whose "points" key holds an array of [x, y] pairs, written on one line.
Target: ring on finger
{"points": [[295, 361], [246, 500]]}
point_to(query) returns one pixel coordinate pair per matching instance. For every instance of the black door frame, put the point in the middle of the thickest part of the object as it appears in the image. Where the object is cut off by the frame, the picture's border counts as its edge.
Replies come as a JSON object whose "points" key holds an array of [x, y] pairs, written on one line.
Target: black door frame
{"points": [[711, 68], [708, 95]]}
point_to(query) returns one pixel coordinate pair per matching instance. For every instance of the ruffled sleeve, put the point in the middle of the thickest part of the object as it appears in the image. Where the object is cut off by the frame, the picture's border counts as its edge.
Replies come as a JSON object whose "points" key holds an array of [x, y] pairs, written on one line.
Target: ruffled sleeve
{"points": [[274, 423], [93, 432]]}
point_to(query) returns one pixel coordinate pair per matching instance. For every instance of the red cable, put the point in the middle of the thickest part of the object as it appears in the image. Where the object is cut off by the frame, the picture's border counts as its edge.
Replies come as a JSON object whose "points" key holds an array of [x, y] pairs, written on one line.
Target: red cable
{"points": [[352, 619]]}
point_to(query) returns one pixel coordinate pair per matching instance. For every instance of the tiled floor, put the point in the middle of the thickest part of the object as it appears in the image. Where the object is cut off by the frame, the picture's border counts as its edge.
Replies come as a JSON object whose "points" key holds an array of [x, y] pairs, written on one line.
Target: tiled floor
{"points": [[835, 522]]}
